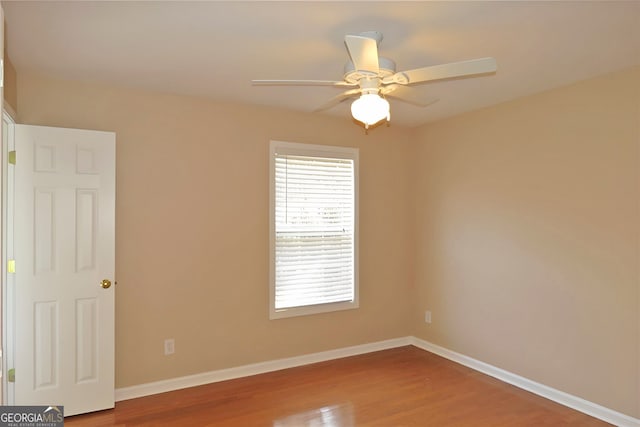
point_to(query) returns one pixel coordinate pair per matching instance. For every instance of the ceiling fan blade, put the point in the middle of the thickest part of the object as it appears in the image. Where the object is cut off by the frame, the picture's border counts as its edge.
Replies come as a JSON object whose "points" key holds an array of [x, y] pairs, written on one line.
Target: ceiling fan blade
{"points": [[363, 52], [444, 71], [338, 99], [406, 94], [301, 83]]}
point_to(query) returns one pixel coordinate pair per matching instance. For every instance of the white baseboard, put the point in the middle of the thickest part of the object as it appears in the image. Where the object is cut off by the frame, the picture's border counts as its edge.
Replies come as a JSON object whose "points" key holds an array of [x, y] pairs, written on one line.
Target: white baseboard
{"points": [[557, 396], [254, 369]]}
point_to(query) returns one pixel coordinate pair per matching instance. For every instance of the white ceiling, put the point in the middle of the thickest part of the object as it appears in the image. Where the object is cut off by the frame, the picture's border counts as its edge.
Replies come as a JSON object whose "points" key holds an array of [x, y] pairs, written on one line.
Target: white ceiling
{"points": [[214, 49]]}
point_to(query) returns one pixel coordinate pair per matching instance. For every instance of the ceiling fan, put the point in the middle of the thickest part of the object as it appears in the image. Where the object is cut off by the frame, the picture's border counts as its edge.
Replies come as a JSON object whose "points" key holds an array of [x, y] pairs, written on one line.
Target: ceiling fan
{"points": [[373, 78]]}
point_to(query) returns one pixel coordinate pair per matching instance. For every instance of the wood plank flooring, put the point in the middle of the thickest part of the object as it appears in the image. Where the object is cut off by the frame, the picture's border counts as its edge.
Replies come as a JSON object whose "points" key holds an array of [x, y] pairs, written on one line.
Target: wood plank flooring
{"points": [[399, 387]]}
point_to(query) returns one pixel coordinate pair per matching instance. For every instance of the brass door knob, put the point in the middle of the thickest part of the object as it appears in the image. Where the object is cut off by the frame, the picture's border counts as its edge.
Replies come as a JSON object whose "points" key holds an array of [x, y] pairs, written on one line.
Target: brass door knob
{"points": [[106, 283]]}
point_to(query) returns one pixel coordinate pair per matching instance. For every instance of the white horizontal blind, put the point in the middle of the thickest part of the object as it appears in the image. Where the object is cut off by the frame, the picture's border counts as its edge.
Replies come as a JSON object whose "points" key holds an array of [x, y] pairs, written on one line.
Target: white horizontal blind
{"points": [[314, 230]]}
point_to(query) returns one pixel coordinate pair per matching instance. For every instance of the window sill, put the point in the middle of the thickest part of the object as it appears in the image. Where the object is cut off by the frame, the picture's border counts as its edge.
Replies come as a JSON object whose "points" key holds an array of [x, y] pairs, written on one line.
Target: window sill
{"points": [[311, 309]]}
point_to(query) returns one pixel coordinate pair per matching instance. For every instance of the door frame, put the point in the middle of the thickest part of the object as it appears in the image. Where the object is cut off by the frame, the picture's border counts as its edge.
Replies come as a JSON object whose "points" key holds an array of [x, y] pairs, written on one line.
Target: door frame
{"points": [[8, 283]]}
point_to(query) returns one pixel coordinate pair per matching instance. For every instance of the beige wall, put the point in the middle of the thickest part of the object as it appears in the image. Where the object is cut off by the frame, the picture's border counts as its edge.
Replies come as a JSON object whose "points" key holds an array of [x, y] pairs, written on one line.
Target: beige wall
{"points": [[527, 231], [516, 225], [10, 77], [10, 84], [192, 227]]}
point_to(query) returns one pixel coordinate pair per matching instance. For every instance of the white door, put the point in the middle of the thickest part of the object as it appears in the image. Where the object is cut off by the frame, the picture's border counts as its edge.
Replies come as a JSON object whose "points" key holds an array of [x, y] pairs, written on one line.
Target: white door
{"points": [[64, 249]]}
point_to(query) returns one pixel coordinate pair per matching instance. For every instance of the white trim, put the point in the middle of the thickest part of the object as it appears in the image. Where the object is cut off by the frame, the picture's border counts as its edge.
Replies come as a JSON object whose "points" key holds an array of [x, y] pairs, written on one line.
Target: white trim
{"points": [[311, 150], [552, 394], [542, 390], [254, 369], [10, 111], [8, 281]]}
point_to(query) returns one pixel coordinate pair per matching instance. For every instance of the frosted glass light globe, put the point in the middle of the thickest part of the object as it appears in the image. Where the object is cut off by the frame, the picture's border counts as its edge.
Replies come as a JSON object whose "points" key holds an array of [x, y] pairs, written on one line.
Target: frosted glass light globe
{"points": [[370, 108]]}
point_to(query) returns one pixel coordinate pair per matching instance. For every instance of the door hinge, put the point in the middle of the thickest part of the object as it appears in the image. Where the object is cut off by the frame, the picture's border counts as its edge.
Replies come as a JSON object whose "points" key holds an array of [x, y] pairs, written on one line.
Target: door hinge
{"points": [[12, 157], [11, 375], [11, 266]]}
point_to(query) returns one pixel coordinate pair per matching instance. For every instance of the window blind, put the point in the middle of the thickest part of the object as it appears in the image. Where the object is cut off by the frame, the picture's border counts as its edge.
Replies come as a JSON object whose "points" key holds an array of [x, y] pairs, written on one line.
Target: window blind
{"points": [[314, 230]]}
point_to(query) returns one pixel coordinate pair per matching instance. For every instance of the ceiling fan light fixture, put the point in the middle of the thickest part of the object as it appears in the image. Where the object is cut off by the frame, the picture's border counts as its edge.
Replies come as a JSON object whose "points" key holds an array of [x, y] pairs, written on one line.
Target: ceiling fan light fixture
{"points": [[370, 76], [370, 108]]}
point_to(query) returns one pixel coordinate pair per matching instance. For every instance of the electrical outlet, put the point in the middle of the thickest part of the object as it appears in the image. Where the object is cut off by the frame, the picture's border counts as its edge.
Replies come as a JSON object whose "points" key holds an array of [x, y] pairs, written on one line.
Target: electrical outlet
{"points": [[169, 346], [427, 316]]}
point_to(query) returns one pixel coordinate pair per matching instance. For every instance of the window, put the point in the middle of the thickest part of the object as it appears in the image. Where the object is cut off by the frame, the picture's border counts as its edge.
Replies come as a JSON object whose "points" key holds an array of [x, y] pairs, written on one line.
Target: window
{"points": [[314, 204]]}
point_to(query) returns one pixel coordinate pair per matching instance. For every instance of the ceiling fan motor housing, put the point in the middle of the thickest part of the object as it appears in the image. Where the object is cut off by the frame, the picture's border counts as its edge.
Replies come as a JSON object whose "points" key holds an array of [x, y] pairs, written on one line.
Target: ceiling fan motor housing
{"points": [[387, 68]]}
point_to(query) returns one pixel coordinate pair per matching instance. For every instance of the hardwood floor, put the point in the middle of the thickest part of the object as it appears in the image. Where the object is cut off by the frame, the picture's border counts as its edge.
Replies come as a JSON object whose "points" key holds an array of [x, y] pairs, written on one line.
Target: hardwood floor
{"points": [[399, 387]]}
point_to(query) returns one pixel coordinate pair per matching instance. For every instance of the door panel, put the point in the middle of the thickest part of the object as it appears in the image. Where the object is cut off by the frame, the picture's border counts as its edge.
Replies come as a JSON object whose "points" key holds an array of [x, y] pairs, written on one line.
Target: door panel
{"points": [[64, 247]]}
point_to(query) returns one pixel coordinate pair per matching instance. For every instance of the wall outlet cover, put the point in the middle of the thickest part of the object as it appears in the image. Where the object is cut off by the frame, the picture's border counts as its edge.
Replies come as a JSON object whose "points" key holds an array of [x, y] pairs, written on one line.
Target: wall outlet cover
{"points": [[169, 346]]}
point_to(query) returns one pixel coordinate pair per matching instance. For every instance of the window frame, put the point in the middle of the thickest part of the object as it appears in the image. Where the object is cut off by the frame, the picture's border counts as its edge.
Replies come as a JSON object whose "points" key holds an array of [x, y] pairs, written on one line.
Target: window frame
{"points": [[311, 150]]}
